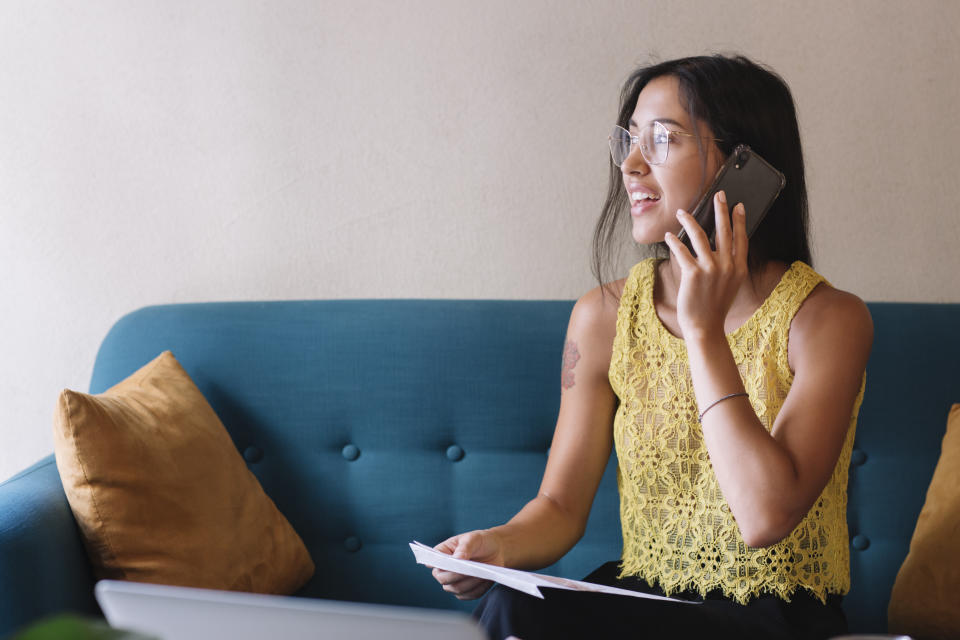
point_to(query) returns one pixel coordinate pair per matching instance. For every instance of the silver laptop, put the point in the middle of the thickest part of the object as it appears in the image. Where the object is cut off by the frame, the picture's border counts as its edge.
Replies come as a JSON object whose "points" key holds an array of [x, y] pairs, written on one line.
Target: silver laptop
{"points": [[183, 613]]}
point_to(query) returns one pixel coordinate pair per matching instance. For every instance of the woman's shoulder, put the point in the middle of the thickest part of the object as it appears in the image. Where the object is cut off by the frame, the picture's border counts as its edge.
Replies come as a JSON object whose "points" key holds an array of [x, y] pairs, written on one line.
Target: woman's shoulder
{"points": [[600, 304], [826, 302], [604, 300], [593, 320], [829, 315], [599, 307]]}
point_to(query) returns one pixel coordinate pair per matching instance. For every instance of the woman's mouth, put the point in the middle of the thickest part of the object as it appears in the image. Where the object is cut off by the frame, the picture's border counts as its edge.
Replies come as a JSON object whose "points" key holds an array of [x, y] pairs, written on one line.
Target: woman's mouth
{"points": [[641, 200]]}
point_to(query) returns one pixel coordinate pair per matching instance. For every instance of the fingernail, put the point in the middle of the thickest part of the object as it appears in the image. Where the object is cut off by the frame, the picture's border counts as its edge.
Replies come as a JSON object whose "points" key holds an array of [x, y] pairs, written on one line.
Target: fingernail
{"points": [[679, 213], [722, 197], [740, 210]]}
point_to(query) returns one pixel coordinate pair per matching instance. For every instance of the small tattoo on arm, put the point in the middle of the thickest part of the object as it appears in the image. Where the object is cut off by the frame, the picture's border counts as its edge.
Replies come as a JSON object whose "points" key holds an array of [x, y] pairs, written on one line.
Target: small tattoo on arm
{"points": [[570, 358]]}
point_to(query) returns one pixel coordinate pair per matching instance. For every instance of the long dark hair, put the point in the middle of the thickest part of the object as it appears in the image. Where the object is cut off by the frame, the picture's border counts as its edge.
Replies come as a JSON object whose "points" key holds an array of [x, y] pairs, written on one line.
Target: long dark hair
{"points": [[742, 103]]}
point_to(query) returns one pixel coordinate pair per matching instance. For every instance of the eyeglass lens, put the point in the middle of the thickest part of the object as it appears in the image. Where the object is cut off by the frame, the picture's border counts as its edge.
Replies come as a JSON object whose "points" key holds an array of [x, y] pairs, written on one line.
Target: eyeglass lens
{"points": [[653, 139]]}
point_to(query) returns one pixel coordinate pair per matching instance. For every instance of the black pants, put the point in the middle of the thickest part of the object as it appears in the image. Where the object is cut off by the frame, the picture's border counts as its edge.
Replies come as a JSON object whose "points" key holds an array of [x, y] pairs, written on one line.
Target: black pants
{"points": [[567, 614]]}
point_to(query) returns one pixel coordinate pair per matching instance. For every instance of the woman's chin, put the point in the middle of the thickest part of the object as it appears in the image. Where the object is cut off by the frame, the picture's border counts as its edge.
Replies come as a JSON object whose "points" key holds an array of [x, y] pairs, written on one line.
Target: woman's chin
{"points": [[642, 234]]}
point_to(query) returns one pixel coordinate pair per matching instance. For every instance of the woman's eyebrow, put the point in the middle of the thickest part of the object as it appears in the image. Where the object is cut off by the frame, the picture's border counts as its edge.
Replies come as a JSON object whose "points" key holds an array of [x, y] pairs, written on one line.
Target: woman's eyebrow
{"points": [[633, 123]]}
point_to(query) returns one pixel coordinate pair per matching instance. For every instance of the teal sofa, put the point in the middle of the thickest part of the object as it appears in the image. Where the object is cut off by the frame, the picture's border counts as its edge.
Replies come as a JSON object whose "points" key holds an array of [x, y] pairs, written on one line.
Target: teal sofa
{"points": [[372, 423]]}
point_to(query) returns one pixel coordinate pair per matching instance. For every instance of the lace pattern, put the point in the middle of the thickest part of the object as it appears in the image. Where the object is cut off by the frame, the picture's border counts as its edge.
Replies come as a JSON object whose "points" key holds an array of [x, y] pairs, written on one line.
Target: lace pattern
{"points": [[678, 530]]}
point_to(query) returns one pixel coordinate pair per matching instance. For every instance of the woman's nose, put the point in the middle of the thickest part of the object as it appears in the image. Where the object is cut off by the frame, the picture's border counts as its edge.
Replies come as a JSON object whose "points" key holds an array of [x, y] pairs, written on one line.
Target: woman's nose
{"points": [[635, 162]]}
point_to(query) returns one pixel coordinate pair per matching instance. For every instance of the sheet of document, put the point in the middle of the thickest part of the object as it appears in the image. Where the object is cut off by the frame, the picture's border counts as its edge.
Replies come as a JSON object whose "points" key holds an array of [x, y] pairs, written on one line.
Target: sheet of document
{"points": [[520, 580]]}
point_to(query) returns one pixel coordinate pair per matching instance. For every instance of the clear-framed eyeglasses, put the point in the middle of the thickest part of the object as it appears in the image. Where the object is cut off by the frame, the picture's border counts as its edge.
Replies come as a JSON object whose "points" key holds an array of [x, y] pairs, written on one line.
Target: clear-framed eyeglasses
{"points": [[653, 140]]}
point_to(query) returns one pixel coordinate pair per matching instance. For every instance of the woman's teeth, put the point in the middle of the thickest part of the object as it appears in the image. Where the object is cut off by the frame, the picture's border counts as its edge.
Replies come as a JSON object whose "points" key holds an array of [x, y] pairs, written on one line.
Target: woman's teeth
{"points": [[637, 196]]}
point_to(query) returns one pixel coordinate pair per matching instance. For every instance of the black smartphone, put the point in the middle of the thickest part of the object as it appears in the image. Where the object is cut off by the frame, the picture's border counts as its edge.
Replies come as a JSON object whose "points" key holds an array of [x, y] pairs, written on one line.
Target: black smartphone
{"points": [[744, 177]]}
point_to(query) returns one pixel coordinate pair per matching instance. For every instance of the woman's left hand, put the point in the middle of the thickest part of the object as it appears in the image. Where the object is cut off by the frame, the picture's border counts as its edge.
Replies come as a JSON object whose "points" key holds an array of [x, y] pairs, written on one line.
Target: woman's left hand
{"points": [[710, 281]]}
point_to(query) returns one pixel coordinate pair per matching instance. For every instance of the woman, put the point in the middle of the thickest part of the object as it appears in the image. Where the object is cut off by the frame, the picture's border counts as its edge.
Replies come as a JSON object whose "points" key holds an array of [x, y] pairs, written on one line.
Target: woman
{"points": [[728, 381]]}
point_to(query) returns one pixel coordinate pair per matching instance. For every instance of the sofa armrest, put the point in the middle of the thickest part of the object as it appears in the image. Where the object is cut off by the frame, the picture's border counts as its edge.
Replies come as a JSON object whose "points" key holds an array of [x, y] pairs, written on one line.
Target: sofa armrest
{"points": [[43, 566]]}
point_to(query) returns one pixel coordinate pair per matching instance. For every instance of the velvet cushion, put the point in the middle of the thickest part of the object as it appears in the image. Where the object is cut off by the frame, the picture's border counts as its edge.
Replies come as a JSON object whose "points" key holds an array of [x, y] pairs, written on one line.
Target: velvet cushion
{"points": [[923, 602], [161, 494]]}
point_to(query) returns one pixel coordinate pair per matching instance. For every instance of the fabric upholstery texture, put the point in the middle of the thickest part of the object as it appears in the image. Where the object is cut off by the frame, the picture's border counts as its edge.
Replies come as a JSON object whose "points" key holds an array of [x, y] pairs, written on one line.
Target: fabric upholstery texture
{"points": [[161, 494], [371, 423], [924, 599], [43, 567]]}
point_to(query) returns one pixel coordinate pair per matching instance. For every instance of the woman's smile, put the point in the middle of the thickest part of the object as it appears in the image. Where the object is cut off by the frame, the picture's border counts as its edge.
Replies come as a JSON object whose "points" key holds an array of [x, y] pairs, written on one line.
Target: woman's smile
{"points": [[656, 191], [642, 198]]}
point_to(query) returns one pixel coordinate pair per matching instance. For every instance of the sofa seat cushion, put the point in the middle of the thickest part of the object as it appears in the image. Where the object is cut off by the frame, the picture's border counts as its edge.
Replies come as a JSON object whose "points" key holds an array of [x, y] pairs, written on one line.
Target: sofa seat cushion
{"points": [[923, 602], [161, 494]]}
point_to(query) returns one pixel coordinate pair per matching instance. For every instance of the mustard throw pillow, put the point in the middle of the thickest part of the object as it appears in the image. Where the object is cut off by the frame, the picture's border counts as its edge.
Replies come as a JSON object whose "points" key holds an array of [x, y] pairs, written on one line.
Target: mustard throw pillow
{"points": [[924, 600], [161, 494]]}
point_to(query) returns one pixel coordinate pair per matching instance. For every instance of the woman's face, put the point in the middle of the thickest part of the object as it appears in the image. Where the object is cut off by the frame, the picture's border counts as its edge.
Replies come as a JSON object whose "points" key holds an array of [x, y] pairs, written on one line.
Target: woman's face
{"points": [[678, 182]]}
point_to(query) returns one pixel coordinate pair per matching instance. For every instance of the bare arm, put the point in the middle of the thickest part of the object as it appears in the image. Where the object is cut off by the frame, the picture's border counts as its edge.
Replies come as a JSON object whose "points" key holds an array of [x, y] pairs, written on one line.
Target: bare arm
{"points": [[770, 480], [552, 522]]}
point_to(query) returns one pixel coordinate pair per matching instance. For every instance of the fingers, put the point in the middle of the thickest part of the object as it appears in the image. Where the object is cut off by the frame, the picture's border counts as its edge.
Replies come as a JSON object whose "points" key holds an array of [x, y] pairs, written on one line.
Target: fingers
{"points": [[730, 234], [482, 545], [698, 237], [724, 234], [449, 545], [460, 546], [740, 240], [467, 546], [680, 252], [445, 577], [449, 578], [464, 587]]}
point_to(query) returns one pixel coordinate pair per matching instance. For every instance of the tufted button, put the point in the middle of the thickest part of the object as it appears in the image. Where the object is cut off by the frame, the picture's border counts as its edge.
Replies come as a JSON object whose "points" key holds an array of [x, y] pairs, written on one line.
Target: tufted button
{"points": [[860, 542], [352, 544], [455, 453], [858, 457], [350, 452], [252, 454]]}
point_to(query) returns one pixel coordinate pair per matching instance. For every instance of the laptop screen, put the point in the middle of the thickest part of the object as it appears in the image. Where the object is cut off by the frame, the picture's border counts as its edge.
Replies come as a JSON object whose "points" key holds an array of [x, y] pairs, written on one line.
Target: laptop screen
{"points": [[184, 613]]}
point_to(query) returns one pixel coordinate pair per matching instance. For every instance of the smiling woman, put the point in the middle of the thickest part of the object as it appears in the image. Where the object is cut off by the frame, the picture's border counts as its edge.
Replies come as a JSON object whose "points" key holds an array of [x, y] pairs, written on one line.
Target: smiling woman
{"points": [[735, 102], [729, 383]]}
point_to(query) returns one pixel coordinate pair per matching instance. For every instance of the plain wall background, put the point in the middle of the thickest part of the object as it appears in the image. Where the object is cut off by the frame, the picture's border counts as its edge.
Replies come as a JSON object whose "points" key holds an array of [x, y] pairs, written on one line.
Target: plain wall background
{"points": [[173, 151]]}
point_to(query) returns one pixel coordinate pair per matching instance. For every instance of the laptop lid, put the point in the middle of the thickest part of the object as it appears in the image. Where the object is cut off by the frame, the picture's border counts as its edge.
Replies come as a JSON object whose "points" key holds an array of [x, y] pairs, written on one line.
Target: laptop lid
{"points": [[185, 613]]}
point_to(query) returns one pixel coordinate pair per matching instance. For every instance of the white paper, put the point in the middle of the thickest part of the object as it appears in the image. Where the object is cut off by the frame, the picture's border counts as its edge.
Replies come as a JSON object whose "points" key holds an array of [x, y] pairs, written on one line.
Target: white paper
{"points": [[520, 580]]}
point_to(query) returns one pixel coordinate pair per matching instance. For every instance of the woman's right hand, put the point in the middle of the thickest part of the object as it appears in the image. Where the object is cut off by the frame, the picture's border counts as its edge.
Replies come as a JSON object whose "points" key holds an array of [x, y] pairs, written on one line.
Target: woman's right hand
{"points": [[482, 546]]}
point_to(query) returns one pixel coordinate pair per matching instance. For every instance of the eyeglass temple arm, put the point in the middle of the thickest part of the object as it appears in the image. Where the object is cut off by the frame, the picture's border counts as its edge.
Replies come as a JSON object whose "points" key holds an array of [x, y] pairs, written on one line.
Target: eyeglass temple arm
{"points": [[691, 135]]}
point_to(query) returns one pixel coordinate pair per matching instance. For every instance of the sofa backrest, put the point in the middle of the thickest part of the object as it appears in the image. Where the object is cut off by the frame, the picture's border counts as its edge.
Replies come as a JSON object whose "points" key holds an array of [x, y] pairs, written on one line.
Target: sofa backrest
{"points": [[372, 423], [912, 382]]}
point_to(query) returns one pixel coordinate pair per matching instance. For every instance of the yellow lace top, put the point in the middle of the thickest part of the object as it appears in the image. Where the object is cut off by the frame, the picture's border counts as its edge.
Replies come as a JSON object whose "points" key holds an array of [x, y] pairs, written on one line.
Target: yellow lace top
{"points": [[678, 530]]}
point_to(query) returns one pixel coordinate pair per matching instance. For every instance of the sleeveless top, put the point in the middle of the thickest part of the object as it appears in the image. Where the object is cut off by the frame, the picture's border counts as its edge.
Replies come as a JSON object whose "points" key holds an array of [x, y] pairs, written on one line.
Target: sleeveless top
{"points": [[678, 530]]}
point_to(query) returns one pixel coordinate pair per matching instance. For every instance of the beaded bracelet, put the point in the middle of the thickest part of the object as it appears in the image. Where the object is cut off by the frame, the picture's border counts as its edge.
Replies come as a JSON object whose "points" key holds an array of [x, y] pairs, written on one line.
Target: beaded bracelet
{"points": [[732, 395]]}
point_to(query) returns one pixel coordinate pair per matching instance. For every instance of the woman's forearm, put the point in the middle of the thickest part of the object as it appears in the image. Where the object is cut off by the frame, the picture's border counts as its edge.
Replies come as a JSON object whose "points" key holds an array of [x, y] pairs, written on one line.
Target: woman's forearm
{"points": [[539, 535], [754, 471]]}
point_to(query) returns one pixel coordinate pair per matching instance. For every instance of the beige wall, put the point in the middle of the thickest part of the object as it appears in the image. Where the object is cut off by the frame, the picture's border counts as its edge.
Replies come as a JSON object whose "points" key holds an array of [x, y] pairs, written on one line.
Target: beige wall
{"points": [[162, 151]]}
